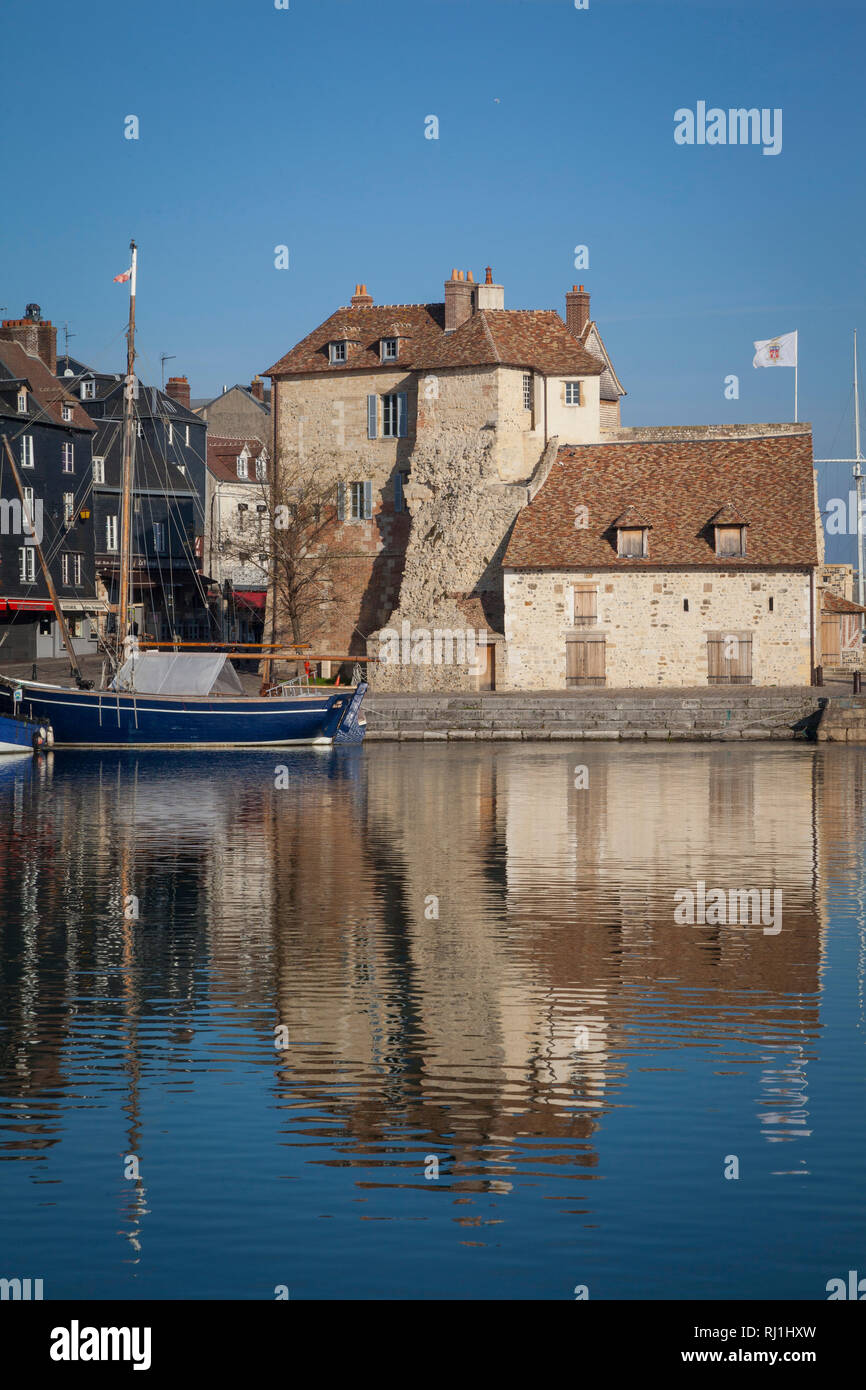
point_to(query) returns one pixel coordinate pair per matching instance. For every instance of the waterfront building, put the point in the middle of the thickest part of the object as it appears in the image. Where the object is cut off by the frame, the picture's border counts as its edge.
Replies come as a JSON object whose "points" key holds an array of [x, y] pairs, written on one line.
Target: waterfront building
{"points": [[437, 422], [50, 434], [169, 591], [236, 552], [674, 558]]}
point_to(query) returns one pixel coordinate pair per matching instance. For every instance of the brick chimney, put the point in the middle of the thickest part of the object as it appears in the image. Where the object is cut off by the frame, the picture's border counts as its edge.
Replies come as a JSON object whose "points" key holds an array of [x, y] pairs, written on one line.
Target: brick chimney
{"points": [[459, 300], [577, 310], [178, 388], [361, 299], [35, 334], [257, 389], [488, 295]]}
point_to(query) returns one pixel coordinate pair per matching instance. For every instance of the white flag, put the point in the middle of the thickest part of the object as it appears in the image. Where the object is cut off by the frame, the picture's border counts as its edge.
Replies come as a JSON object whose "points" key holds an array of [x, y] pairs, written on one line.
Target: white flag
{"points": [[776, 352]]}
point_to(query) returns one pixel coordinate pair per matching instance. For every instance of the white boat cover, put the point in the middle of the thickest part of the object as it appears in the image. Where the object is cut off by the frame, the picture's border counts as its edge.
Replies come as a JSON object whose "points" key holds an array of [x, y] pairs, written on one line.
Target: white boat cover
{"points": [[179, 673]]}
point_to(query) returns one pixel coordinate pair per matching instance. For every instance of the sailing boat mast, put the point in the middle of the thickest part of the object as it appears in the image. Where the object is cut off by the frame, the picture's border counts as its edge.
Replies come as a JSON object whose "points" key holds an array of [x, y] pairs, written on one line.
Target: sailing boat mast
{"points": [[127, 471], [858, 477]]}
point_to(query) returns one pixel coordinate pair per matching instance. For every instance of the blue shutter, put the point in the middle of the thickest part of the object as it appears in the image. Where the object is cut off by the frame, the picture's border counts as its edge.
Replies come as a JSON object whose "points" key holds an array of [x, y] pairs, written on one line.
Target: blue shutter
{"points": [[368, 500], [372, 414], [402, 415], [341, 501]]}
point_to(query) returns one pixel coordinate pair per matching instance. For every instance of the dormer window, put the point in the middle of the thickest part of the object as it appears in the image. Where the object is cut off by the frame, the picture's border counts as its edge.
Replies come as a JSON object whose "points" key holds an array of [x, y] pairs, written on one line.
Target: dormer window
{"points": [[243, 466], [339, 351], [88, 390], [631, 542], [632, 535], [729, 532], [730, 541], [66, 412], [22, 402], [389, 349]]}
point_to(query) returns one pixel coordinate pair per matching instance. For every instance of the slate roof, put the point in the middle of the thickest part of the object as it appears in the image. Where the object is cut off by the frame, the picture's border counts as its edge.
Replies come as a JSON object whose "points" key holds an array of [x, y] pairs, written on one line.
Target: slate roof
{"points": [[49, 394], [151, 402], [533, 338], [679, 486], [222, 458], [200, 403]]}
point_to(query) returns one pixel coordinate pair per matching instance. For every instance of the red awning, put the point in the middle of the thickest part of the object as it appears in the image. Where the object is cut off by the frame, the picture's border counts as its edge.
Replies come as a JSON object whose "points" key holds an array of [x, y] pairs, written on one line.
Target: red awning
{"points": [[26, 605], [253, 598]]}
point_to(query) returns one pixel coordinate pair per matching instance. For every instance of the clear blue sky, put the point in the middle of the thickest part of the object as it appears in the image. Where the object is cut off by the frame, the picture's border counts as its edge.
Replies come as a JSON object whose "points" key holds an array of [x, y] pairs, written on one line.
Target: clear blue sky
{"points": [[305, 127]]}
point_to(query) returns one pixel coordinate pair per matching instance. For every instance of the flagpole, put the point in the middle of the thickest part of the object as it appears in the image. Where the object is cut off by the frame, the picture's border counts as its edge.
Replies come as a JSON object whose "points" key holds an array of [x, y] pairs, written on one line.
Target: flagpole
{"points": [[796, 369], [127, 470]]}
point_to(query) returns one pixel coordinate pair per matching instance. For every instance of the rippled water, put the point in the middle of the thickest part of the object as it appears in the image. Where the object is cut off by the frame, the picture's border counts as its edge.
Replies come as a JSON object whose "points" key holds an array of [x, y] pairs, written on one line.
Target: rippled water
{"points": [[472, 960]]}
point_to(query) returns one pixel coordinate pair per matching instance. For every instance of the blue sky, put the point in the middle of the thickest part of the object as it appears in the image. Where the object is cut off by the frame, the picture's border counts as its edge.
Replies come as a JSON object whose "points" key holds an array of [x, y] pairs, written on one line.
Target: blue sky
{"points": [[305, 127]]}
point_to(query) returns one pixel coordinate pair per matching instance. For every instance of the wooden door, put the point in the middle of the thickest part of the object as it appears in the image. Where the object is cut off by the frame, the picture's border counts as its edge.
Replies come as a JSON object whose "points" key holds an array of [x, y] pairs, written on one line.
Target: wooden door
{"points": [[830, 639], [584, 661]]}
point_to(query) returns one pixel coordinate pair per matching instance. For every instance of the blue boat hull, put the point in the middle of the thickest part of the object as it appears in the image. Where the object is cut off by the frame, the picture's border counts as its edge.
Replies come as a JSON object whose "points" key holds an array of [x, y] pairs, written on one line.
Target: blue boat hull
{"points": [[16, 735], [106, 719]]}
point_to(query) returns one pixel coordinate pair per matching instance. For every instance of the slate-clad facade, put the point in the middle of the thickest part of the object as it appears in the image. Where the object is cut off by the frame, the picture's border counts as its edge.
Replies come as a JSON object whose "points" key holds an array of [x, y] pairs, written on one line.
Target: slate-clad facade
{"points": [[50, 435], [169, 591]]}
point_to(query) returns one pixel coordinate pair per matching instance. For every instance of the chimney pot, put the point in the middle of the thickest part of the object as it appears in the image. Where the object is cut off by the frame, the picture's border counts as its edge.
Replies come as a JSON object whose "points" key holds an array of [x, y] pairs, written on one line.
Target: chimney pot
{"points": [[459, 300], [361, 299], [488, 280], [178, 388], [470, 277], [577, 310]]}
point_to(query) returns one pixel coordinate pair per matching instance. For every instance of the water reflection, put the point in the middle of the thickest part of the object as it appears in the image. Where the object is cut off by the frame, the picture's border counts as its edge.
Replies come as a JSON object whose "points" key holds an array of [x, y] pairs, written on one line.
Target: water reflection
{"points": [[472, 949]]}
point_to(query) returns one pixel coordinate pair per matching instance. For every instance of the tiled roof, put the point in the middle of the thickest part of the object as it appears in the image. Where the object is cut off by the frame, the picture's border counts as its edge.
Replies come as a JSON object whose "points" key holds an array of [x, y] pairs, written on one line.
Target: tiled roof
{"points": [[728, 515], [534, 338], [222, 457], [46, 389], [832, 603], [679, 486]]}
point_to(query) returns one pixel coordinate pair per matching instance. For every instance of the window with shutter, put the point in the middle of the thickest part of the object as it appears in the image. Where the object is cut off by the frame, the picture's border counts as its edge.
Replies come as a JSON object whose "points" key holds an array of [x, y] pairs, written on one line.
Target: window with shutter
{"points": [[402, 415], [631, 543], [341, 500], [585, 605], [372, 416], [730, 541]]}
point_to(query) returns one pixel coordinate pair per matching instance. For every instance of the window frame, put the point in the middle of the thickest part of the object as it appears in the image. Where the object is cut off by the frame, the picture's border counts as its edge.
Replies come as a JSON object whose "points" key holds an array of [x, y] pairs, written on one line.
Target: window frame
{"points": [[27, 451], [338, 351], [99, 468], [386, 356], [22, 401], [27, 564], [87, 390], [111, 536], [572, 387], [67, 455], [527, 391], [68, 508]]}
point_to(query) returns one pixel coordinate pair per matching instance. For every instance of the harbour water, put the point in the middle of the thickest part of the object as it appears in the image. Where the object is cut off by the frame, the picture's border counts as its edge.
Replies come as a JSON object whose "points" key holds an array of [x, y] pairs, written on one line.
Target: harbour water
{"points": [[419, 1022]]}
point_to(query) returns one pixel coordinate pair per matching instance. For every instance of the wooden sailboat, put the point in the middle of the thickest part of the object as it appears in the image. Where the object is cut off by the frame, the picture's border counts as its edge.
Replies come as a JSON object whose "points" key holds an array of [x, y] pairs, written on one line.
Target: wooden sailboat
{"points": [[170, 699]]}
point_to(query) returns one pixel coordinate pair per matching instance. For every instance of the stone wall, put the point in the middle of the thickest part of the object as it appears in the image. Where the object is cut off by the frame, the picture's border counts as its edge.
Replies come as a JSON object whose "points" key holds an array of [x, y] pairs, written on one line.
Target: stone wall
{"points": [[461, 518], [650, 640]]}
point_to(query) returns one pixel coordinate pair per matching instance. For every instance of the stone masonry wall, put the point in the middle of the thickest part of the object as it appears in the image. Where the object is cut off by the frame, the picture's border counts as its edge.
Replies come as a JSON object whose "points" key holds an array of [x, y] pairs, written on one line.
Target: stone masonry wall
{"points": [[650, 639]]}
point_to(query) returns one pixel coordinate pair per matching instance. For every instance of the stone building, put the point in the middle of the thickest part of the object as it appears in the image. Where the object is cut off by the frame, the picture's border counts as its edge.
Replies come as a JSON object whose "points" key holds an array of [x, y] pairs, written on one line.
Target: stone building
{"points": [[439, 422], [678, 558]]}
